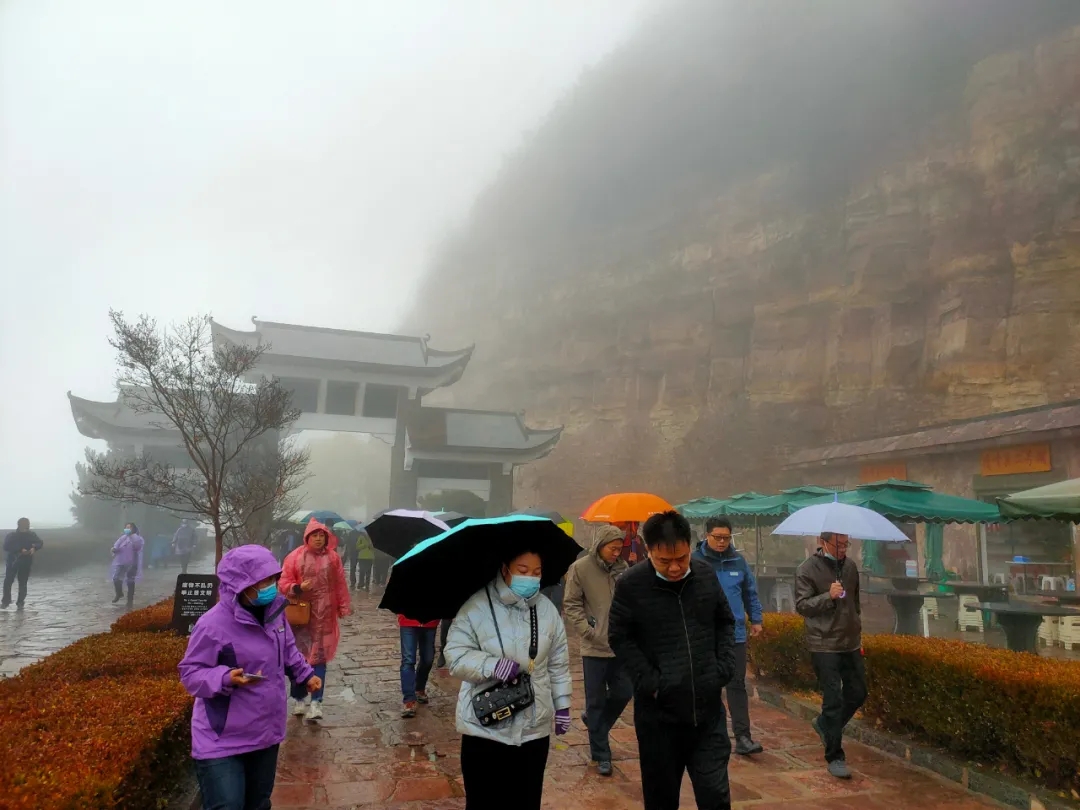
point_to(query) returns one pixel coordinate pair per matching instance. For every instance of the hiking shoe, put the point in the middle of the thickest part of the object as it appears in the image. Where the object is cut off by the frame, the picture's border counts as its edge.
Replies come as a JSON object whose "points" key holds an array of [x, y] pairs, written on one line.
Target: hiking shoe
{"points": [[299, 708], [816, 723], [315, 711], [744, 746], [604, 767], [584, 719], [839, 769], [422, 698], [408, 709]]}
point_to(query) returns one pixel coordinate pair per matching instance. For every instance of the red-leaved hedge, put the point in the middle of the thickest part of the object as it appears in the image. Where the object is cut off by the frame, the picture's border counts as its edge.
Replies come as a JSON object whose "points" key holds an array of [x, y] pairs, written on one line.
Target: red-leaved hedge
{"points": [[103, 724], [996, 707], [156, 618]]}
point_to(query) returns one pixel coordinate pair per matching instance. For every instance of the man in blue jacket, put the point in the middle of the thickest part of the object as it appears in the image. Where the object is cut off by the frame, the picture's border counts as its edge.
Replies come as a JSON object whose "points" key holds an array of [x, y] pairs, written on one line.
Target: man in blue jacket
{"points": [[739, 586]]}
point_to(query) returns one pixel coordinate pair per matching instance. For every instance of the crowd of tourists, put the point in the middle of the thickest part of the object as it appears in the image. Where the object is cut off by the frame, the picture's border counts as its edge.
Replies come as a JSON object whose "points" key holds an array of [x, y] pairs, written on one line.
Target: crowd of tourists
{"points": [[667, 630]]}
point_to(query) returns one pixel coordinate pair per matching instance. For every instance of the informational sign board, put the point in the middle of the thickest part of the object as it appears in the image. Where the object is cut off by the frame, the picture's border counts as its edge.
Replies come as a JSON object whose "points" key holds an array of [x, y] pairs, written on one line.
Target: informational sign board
{"points": [[195, 594], [1028, 458]]}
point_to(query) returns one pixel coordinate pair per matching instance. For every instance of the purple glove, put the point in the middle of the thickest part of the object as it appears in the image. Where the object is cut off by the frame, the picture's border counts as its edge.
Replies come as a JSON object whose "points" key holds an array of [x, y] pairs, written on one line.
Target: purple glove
{"points": [[506, 670], [562, 722]]}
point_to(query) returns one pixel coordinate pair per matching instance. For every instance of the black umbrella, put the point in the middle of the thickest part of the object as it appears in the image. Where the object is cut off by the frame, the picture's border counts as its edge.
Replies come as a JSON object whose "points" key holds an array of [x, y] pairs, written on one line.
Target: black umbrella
{"points": [[451, 519], [395, 531], [435, 579]]}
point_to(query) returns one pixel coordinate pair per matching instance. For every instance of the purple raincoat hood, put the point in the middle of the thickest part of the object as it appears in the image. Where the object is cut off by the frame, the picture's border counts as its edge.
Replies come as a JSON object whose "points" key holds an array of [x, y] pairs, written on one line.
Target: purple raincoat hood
{"points": [[243, 567]]}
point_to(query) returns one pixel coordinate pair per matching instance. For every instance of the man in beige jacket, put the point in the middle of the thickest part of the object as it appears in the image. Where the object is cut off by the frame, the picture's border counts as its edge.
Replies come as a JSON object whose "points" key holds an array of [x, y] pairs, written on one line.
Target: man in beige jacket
{"points": [[590, 586]]}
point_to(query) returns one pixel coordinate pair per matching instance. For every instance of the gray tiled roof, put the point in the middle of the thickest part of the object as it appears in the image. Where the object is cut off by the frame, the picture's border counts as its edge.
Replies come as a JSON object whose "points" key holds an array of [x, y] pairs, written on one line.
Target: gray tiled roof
{"points": [[1032, 420], [340, 345], [92, 416], [445, 428]]}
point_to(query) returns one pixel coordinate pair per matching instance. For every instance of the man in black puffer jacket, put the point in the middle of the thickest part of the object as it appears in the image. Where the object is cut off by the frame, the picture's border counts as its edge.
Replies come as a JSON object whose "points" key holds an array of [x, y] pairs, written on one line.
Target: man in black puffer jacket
{"points": [[673, 631]]}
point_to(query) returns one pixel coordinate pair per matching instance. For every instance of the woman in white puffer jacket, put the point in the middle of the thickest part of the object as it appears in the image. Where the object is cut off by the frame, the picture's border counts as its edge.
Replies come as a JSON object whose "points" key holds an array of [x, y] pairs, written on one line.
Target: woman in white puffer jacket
{"points": [[510, 755]]}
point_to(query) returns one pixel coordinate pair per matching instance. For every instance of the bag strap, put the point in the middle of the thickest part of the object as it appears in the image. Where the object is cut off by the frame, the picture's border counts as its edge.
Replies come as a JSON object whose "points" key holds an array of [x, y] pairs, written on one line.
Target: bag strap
{"points": [[491, 606], [534, 630]]}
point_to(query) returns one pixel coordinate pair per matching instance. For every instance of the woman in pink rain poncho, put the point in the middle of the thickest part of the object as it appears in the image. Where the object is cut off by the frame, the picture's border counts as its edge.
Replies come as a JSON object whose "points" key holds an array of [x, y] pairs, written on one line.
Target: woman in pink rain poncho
{"points": [[315, 573]]}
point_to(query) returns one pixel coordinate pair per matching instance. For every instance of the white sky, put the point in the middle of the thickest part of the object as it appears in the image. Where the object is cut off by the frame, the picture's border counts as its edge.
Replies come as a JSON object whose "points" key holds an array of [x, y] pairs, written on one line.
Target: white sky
{"points": [[292, 161]]}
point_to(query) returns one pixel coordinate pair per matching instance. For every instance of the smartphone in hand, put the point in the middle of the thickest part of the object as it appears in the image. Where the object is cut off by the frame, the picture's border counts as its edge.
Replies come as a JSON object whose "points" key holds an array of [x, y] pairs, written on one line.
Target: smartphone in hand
{"points": [[254, 677]]}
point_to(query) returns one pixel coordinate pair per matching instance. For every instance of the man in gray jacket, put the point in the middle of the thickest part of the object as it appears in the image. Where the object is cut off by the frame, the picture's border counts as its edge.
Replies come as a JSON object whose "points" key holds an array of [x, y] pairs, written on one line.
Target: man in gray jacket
{"points": [[827, 597], [590, 586]]}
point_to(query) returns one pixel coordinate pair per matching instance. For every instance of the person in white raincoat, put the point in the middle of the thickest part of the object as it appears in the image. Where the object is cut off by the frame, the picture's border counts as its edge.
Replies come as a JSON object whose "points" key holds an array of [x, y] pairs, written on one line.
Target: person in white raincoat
{"points": [[503, 764]]}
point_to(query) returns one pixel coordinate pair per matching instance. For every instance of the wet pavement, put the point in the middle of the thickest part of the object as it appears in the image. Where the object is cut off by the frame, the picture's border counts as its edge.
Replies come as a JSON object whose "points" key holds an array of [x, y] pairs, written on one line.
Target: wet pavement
{"points": [[364, 755], [63, 609]]}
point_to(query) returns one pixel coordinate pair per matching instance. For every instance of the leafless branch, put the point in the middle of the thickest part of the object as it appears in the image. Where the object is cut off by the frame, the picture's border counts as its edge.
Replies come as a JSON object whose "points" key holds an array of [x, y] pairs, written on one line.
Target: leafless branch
{"points": [[231, 422]]}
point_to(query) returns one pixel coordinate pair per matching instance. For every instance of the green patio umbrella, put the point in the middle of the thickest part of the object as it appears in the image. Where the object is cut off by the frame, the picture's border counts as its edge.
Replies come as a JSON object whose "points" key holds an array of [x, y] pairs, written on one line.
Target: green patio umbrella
{"points": [[1059, 501], [912, 501], [871, 557], [701, 508], [935, 545]]}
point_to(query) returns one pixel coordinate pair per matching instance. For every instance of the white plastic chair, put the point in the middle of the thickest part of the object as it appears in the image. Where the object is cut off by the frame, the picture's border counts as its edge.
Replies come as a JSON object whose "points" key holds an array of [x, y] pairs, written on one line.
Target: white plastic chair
{"points": [[970, 616], [1047, 583]]}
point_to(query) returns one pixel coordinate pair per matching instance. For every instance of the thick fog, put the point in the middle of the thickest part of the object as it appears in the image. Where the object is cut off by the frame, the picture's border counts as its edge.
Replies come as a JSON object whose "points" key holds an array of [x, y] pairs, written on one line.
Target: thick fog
{"points": [[295, 162]]}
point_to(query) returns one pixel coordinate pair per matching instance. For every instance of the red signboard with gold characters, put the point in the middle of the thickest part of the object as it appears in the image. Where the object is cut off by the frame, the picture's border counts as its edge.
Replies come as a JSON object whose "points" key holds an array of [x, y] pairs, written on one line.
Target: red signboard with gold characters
{"points": [[1027, 458]]}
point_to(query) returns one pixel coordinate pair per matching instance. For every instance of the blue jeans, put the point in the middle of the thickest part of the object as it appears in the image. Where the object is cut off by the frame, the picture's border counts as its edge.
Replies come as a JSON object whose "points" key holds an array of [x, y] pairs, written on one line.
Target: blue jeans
{"points": [[243, 782], [417, 656], [299, 692]]}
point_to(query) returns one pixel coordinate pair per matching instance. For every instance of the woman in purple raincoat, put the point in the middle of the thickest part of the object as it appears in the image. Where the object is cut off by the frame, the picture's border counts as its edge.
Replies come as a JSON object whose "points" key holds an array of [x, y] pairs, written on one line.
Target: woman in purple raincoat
{"points": [[238, 659], [127, 554]]}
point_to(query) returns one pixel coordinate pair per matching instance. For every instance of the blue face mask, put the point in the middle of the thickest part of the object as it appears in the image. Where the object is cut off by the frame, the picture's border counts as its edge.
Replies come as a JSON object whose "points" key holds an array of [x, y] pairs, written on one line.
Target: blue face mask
{"points": [[525, 587], [680, 579], [127, 531], [264, 596]]}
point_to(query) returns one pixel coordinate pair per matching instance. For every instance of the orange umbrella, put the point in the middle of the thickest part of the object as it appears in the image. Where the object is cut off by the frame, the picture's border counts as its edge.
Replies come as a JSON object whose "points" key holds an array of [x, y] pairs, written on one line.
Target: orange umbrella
{"points": [[626, 507]]}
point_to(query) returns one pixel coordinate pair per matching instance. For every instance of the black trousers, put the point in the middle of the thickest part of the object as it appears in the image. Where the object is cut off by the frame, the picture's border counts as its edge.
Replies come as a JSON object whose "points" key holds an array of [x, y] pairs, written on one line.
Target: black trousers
{"points": [[498, 775], [444, 628], [607, 691], [737, 700], [666, 750], [17, 568], [361, 572], [842, 678]]}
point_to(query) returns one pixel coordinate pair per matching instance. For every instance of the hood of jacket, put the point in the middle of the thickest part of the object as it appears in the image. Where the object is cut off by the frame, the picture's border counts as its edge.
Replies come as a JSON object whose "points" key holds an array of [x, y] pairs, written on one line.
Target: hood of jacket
{"points": [[315, 526], [605, 535], [243, 567]]}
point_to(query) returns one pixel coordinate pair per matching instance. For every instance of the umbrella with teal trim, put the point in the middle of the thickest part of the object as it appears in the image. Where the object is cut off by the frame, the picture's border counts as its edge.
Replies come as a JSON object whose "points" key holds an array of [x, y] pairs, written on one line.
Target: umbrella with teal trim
{"points": [[435, 578]]}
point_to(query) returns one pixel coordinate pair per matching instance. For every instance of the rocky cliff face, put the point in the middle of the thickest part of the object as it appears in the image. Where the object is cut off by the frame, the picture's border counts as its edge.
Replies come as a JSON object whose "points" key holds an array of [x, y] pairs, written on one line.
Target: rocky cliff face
{"points": [[693, 315]]}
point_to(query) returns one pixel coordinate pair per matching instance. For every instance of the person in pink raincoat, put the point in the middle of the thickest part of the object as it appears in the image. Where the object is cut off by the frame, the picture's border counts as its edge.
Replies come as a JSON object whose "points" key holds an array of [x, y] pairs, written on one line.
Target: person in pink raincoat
{"points": [[316, 574]]}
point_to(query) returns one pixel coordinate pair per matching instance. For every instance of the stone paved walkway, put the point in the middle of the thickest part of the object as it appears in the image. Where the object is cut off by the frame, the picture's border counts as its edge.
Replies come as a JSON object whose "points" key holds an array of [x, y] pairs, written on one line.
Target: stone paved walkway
{"points": [[364, 755], [63, 609]]}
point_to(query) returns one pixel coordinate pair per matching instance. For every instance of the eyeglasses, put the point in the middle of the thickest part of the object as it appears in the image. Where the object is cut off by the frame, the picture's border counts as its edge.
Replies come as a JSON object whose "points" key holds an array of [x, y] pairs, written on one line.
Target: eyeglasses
{"points": [[720, 536]]}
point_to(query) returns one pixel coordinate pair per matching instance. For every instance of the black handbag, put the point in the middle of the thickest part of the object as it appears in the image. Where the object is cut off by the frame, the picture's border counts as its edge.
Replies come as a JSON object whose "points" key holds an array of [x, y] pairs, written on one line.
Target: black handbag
{"points": [[503, 700]]}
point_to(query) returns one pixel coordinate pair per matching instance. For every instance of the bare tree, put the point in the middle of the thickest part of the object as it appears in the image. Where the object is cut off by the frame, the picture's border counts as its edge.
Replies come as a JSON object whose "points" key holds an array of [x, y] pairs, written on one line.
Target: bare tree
{"points": [[232, 423]]}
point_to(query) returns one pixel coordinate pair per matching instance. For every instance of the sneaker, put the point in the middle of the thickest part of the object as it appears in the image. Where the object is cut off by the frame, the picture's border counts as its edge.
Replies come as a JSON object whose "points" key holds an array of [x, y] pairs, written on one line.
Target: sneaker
{"points": [[5, 605], [422, 698], [816, 723], [839, 769], [299, 707], [441, 663], [408, 709], [604, 768], [744, 746], [315, 711]]}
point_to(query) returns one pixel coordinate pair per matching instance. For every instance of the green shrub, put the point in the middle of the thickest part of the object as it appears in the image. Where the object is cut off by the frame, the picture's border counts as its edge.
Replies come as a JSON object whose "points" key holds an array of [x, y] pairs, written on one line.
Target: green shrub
{"points": [[1015, 711]]}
